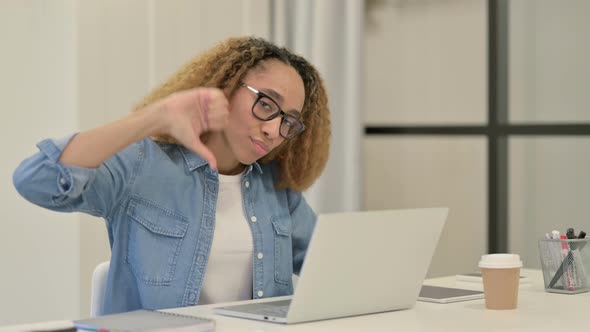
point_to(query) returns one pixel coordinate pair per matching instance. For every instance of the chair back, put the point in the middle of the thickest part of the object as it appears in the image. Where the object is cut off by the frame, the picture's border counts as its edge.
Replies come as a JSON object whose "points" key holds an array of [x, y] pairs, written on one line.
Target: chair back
{"points": [[99, 282]]}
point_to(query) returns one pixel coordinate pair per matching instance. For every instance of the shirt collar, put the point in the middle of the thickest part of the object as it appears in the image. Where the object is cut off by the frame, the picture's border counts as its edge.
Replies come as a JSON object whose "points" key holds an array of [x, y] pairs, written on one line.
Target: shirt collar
{"points": [[194, 161]]}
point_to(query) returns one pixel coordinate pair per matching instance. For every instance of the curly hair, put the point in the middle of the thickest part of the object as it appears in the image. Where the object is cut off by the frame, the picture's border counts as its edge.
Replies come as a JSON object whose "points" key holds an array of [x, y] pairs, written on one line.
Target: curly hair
{"points": [[301, 159]]}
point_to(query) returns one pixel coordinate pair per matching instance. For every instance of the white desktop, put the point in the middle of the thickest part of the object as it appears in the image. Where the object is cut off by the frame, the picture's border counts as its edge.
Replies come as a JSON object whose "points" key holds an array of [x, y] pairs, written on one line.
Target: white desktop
{"points": [[537, 311]]}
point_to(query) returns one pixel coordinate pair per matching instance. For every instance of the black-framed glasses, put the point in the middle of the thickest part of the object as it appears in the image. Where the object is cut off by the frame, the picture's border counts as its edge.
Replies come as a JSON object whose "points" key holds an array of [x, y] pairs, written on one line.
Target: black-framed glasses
{"points": [[266, 109]]}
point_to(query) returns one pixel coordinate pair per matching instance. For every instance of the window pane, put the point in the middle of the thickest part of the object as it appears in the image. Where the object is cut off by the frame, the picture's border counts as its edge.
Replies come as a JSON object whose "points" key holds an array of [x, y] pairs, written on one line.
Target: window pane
{"points": [[426, 62], [548, 60], [413, 172], [549, 189]]}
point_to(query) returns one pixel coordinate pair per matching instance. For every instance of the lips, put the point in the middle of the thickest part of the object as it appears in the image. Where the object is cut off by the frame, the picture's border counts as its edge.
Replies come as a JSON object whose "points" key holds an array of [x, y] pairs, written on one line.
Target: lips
{"points": [[261, 147]]}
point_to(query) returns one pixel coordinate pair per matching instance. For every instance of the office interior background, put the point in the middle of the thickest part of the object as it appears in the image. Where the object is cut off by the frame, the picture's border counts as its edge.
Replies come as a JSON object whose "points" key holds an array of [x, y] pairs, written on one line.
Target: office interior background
{"points": [[481, 106]]}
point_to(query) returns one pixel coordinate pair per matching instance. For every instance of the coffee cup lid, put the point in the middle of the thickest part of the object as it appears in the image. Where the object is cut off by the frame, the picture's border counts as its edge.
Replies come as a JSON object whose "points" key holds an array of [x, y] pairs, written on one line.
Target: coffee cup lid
{"points": [[500, 261]]}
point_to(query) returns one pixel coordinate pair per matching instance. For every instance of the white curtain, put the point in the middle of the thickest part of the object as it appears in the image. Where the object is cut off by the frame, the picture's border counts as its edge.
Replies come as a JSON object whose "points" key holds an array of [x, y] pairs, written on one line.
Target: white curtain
{"points": [[329, 33]]}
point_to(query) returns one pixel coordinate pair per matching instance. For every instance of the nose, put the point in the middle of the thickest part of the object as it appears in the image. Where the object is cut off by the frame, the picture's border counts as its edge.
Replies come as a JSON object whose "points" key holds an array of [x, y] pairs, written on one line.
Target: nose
{"points": [[271, 128]]}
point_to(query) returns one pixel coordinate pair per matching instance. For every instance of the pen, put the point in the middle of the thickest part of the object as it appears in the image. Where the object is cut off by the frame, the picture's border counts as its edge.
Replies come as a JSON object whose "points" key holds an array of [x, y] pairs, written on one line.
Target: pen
{"points": [[565, 256], [570, 257], [570, 234]]}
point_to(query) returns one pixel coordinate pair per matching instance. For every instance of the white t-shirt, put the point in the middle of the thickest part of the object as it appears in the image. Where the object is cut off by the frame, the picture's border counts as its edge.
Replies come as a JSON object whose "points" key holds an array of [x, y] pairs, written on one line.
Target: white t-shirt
{"points": [[228, 276]]}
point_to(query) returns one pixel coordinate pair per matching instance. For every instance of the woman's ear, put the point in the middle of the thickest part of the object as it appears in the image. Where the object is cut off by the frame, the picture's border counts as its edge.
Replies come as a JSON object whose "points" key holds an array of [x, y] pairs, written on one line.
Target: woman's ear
{"points": [[230, 96]]}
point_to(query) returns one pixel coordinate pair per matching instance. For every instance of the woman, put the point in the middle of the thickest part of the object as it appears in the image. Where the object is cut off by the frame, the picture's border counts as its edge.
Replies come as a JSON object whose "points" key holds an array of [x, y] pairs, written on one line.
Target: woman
{"points": [[201, 186]]}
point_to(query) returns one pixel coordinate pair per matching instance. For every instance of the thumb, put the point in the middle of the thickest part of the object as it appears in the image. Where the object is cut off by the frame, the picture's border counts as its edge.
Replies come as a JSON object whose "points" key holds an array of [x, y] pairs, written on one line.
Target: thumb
{"points": [[199, 148]]}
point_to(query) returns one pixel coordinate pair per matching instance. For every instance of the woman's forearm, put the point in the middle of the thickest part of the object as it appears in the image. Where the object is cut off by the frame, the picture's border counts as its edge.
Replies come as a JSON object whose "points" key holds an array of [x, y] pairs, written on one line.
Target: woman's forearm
{"points": [[183, 115], [91, 148]]}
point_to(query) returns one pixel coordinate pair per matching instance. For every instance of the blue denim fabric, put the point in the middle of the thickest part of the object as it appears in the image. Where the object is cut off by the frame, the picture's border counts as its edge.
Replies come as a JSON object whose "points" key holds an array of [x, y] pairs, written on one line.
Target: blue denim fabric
{"points": [[159, 203]]}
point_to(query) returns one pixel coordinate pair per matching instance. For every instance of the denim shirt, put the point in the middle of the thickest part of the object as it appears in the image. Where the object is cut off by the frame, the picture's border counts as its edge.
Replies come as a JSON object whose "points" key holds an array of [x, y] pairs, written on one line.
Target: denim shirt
{"points": [[159, 203]]}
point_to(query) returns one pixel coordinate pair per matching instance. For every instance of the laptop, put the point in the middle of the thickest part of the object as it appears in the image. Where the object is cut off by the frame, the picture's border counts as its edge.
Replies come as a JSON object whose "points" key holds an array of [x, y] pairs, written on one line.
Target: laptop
{"points": [[357, 263]]}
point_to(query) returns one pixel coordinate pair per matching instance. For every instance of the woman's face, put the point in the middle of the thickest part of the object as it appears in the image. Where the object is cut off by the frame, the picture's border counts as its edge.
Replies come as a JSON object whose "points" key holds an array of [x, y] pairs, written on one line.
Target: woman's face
{"points": [[249, 138]]}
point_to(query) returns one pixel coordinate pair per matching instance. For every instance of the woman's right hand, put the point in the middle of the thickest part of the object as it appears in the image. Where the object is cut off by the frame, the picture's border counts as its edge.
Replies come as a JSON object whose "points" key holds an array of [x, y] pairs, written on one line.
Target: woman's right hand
{"points": [[189, 114]]}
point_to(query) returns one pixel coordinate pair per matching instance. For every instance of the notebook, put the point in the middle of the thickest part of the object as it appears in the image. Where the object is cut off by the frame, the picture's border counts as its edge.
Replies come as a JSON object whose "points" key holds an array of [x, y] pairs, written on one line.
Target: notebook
{"points": [[357, 263], [145, 321], [448, 294]]}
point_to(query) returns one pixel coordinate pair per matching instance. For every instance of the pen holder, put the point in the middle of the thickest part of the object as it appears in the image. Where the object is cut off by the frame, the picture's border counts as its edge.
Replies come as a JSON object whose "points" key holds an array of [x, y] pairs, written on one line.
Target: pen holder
{"points": [[566, 265]]}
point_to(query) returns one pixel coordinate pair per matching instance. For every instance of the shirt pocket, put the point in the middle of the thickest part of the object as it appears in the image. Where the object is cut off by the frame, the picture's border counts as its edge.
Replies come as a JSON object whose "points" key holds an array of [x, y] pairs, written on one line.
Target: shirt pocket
{"points": [[283, 259], [155, 239]]}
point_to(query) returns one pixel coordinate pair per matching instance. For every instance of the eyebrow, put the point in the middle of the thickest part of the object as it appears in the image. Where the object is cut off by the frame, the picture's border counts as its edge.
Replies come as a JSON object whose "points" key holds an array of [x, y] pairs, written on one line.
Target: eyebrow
{"points": [[277, 97], [273, 94]]}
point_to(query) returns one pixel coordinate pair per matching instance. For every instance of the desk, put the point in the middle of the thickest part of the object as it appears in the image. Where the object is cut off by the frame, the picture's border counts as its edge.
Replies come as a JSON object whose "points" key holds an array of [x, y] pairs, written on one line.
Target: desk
{"points": [[537, 311]]}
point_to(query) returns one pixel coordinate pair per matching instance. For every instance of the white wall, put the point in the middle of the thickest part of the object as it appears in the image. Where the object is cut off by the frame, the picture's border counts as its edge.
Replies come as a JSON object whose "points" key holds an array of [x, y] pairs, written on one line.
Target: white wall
{"points": [[71, 65], [38, 248]]}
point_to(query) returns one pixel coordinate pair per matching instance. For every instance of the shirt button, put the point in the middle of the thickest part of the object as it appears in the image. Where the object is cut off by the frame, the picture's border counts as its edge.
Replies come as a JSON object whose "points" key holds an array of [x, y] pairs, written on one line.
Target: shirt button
{"points": [[192, 297], [260, 293], [247, 184], [62, 181], [253, 219], [260, 255]]}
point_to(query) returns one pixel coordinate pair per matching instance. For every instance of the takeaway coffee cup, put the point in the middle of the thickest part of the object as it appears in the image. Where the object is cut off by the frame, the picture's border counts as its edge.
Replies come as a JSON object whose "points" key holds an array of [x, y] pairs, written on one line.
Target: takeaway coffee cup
{"points": [[501, 273]]}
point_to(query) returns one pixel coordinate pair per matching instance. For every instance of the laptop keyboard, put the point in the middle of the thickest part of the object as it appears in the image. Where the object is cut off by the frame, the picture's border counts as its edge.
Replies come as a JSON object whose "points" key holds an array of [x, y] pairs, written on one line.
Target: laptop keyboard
{"points": [[278, 311], [273, 308]]}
